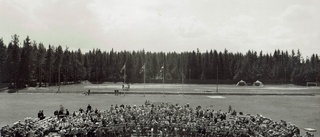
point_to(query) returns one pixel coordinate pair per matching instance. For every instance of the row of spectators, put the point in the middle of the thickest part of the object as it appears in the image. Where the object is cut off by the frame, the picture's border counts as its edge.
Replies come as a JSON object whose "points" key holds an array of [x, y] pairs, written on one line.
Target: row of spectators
{"points": [[154, 119]]}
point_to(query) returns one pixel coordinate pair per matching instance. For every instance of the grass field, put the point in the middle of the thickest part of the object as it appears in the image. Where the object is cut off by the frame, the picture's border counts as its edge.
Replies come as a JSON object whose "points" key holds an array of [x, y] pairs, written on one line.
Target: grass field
{"points": [[177, 88], [304, 111]]}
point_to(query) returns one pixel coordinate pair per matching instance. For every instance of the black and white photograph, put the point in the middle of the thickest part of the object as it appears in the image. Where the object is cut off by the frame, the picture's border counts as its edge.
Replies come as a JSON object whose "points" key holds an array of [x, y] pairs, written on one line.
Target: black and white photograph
{"points": [[159, 68]]}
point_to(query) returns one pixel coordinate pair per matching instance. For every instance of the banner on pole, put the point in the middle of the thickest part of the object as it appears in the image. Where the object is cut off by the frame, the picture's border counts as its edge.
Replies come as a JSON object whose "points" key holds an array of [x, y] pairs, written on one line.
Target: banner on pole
{"points": [[123, 68]]}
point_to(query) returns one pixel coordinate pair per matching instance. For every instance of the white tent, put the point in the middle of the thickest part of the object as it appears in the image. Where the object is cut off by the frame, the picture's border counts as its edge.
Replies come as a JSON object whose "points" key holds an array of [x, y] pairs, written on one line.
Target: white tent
{"points": [[241, 83], [258, 83]]}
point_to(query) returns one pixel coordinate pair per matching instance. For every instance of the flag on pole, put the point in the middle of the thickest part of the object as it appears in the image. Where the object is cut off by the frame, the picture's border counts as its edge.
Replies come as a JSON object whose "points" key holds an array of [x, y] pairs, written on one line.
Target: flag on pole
{"points": [[123, 67], [161, 69], [142, 68]]}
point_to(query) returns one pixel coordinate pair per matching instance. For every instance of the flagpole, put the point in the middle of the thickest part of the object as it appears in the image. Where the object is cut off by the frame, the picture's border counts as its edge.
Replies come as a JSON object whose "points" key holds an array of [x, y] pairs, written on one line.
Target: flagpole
{"points": [[189, 78], [217, 78], [182, 82], [59, 80], [144, 80], [124, 78], [163, 80]]}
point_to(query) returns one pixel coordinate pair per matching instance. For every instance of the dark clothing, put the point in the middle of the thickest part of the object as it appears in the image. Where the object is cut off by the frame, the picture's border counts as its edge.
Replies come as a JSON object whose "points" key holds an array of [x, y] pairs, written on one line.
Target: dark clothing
{"points": [[60, 112], [89, 109], [67, 113], [56, 113], [81, 110], [41, 115]]}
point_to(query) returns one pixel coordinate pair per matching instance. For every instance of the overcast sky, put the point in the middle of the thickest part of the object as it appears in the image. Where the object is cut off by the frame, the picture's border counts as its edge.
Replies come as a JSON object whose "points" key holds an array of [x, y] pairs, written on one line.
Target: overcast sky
{"points": [[166, 25]]}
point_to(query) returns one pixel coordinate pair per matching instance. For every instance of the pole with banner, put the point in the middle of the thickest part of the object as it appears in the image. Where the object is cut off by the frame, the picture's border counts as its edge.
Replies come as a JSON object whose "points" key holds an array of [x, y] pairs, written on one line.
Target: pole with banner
{"points": [[144, 77], [217, 78], [182, 78], [124, 77], [162, 71]]}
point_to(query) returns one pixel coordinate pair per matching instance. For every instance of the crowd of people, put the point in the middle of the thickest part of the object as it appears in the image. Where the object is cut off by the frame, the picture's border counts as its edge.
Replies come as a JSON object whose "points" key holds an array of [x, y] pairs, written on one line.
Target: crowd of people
{"points": [[161, 119]]}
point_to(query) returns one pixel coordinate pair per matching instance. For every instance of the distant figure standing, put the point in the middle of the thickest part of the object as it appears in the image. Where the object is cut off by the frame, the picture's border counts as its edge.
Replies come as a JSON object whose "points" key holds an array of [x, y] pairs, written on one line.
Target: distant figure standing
{"points": [[230, 108], [88, 92]]}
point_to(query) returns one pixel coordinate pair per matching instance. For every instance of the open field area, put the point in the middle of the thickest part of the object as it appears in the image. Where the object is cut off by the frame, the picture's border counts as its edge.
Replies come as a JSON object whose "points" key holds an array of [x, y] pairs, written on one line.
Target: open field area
{"points": [[178, 89], [302, 110]]}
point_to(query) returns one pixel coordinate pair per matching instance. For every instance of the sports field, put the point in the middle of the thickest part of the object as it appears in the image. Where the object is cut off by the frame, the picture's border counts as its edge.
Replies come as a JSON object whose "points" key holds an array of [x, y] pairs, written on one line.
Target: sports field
{"points": [[302, 110], [177, 89]]}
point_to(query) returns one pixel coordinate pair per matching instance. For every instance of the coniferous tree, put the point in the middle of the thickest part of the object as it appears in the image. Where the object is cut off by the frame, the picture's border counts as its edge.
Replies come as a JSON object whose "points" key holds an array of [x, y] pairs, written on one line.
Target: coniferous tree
{"points": [[26, 65], [40, 59], [155, 66], [3, 57], [49, 65], [79, 68], [58, 56], [12, 62], [66, 66], [41, 64]]}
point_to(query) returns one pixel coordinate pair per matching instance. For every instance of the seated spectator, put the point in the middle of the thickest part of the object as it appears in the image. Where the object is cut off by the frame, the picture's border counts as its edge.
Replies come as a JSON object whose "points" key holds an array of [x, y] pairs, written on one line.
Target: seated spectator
{"points": [[39, 114], [67, 112], [234, 113], [89, 109], [159, 119], [56, 113], [80, 110]]}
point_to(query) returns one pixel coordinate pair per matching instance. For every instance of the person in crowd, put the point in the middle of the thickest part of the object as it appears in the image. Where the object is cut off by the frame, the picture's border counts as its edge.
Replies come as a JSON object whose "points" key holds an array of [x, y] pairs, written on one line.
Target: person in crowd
{"points": [[159, 119], [234, 113], [80, 110], [89, 109], [39, 114], [74, 114], [67, 112], [56, 113], [308, 135]]}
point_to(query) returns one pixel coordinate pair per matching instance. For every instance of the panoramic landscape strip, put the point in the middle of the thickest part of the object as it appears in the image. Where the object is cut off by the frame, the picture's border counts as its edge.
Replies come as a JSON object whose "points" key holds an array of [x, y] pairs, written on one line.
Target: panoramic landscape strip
{"points": [[32, 64], [158, 68]]}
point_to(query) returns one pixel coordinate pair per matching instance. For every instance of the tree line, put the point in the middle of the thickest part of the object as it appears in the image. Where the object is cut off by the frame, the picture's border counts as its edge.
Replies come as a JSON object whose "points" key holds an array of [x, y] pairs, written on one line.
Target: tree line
{"points": [[34, 64]]}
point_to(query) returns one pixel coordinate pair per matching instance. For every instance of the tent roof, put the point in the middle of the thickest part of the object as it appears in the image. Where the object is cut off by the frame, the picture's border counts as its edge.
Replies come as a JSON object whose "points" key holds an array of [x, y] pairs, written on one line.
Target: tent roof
{"points": [[258, 81]]}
